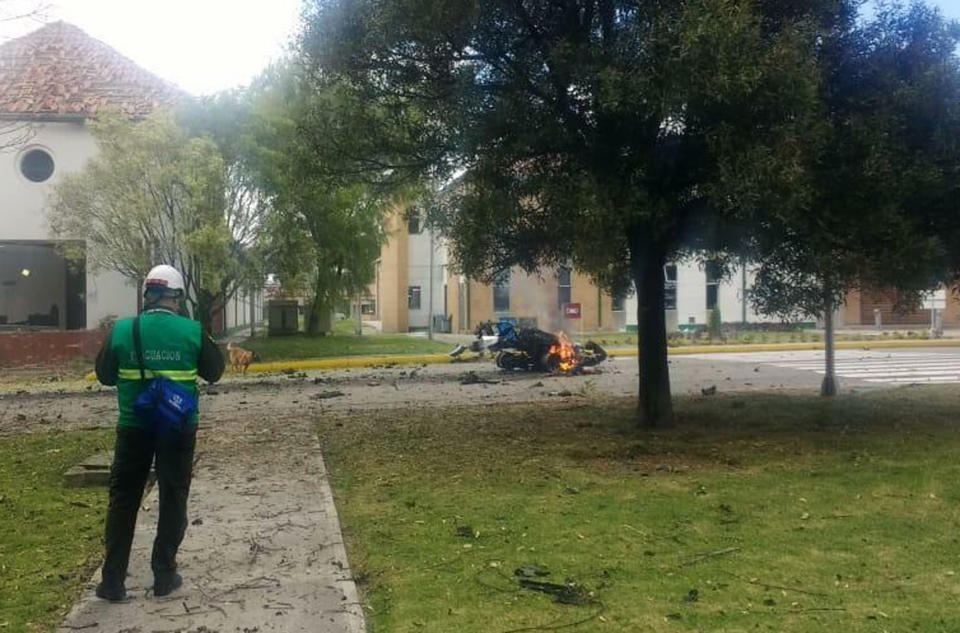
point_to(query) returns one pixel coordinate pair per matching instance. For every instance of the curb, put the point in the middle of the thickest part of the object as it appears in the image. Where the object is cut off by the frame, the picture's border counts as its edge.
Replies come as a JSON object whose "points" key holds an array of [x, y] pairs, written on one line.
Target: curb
{"points": [[441, 359]]}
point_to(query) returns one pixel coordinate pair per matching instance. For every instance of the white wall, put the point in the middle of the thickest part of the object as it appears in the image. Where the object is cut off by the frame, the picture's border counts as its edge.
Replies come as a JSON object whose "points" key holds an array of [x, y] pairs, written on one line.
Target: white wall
{"points": [[692, 297], [238, 310], [23, 208], [419, 275]]}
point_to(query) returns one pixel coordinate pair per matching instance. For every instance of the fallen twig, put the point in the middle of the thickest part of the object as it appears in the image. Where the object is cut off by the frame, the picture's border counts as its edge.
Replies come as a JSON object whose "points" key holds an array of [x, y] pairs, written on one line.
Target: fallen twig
{"points": [[781, 587], [79, 627], [707, 555]]}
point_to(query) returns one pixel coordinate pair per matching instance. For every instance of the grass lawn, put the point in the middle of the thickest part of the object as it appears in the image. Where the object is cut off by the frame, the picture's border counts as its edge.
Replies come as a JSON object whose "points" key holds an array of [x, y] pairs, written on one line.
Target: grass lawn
{"points": [[343, 342], [50, 535], [757, 513]]}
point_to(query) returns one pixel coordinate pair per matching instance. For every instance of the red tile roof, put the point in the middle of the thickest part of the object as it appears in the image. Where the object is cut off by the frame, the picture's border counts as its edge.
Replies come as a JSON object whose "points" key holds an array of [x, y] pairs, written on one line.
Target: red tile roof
{"points": [[60, 71]]}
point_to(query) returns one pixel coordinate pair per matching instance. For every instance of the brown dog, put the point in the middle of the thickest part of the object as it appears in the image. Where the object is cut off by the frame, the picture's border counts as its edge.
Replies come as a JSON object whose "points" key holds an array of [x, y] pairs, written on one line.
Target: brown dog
{"points": [[240, 358]]}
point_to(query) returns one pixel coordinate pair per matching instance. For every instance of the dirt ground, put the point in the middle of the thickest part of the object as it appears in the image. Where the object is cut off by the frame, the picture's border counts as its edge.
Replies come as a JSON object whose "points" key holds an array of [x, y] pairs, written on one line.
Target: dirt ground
{"points": [[45, 404]]}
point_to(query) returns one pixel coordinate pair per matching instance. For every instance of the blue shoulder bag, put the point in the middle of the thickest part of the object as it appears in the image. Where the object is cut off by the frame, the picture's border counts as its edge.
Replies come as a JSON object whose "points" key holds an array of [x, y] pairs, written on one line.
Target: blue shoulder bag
{"points": [[166, 405]]}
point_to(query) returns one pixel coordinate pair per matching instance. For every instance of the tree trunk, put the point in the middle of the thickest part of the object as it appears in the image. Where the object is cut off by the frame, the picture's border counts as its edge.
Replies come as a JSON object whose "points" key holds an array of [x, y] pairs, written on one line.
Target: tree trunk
{"points": [[253, 314], [315, 317], [359, 314], [655, 407], [829, 386], [204, 311]]}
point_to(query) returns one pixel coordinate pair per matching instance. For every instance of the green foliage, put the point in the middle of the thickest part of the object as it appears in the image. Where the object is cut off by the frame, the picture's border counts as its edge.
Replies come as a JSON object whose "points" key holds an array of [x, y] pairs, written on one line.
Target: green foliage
{"points": [[614, 133], [879, 167], [716, 324], [52, 534], [836, 502], [327, 228], [157, 194]]}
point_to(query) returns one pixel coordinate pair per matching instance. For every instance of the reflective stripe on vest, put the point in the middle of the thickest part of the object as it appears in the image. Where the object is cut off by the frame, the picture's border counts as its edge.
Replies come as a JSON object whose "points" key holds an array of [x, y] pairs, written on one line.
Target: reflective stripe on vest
{"points": [[185, 375]]}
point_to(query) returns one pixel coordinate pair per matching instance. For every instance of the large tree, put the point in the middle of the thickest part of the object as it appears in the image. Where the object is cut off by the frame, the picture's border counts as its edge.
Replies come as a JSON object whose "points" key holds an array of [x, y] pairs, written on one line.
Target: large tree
{"points": [[327, 228], [882, 170], [154, 194], [614, 133]]}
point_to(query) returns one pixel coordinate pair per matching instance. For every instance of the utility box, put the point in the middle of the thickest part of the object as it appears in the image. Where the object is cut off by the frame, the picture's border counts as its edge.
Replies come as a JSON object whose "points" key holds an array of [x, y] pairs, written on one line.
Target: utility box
{"points": [[283, 317]]}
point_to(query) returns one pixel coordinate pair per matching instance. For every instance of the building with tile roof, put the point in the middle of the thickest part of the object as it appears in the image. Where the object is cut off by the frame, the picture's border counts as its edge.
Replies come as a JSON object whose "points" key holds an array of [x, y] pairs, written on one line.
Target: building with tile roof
{"points": [[53, 81]]}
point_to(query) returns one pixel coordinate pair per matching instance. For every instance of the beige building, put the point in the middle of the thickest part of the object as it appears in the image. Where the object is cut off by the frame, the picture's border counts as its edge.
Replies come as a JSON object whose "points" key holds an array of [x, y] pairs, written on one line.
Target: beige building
{"points": [[411, 287]]}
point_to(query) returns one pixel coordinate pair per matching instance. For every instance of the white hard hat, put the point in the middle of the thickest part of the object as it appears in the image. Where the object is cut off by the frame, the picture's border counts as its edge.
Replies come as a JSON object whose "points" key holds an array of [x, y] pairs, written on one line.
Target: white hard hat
{"points": [[164, 277]]}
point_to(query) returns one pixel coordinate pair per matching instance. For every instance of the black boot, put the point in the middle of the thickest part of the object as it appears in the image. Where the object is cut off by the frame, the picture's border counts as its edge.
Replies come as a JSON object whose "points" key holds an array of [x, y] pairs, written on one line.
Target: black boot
{"points": [[111, 592], [165, 586]]}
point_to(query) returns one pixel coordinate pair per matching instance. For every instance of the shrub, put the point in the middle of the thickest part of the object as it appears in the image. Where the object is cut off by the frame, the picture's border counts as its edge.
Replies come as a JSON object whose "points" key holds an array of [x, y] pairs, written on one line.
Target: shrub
{"points": [[716, 324]]}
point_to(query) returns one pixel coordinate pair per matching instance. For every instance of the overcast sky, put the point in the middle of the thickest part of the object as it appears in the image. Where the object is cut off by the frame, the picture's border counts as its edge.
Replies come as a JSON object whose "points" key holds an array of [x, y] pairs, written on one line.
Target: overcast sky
{"points": [[201, 45]]}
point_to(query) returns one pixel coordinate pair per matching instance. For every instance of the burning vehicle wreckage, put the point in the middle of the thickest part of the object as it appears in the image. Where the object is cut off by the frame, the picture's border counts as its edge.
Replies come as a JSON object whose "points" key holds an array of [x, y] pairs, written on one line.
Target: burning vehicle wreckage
{"points": [[531, 349]]}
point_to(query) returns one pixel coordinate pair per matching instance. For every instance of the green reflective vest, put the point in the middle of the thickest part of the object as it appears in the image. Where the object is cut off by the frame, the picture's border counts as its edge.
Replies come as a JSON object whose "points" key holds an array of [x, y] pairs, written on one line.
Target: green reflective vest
{"points": [[171, 348]]}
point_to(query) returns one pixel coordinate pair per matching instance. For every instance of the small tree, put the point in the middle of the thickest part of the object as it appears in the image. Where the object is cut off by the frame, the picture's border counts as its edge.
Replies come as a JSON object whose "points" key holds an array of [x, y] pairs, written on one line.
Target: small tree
{"points": [[881, 167], [327, 228], [153, 194]]}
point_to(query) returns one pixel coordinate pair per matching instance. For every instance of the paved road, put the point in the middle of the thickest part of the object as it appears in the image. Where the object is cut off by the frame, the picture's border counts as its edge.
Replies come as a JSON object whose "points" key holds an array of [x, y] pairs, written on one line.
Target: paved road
{"points": [[47, 406], [865, 367]]}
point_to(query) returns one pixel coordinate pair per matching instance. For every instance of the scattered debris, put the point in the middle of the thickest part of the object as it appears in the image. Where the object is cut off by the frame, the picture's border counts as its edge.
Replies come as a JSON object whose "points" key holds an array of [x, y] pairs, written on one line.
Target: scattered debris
{"points": [[530, 571], [326, 395], [465, 531], [537, 385], [573, 491], [197, 522], [692, 596], [709, 391], [570, 593], [471, 378]]}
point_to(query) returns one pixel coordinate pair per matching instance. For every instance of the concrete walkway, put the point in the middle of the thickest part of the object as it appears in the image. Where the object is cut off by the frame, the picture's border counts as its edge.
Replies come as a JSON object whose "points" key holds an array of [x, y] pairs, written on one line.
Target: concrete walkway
{"points": [[263, 551]]}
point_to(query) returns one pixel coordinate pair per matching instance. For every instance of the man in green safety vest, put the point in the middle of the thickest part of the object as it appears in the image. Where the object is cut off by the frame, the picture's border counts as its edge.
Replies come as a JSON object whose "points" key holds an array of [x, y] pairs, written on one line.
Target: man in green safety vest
{"points": [[174, 347]]}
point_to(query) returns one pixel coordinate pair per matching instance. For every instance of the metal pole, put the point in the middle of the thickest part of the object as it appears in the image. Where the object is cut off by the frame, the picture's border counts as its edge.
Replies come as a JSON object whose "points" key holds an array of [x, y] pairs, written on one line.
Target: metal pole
{"points": [[430, 293]]}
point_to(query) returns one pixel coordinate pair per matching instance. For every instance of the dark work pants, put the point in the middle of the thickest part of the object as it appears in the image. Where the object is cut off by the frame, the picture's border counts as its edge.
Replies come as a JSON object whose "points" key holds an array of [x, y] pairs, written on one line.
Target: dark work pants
{"points": [[133, 455]]}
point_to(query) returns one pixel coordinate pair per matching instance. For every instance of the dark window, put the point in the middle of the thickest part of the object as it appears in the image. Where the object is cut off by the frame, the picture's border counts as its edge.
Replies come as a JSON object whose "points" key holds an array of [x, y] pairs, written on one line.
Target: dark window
{"points": [[413, 224], [413, 297], [712, 293], [564, 294], [36, 165], [670, 287], [501, 293], [368, 307], [713, 284]]}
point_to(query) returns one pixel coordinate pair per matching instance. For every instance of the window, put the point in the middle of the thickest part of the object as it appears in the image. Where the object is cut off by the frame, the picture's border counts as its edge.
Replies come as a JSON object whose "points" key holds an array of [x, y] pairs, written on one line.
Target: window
{"points": [[670, 287], [618, 303], [563, 286], [413, 297], [368, 307], [36, 165], [713, 285], [413, 224], [501, 293]]}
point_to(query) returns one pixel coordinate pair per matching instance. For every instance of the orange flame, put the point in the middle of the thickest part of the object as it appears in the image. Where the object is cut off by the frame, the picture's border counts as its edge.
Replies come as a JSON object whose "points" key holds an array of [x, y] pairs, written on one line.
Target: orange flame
{"points": [[565, 352]]}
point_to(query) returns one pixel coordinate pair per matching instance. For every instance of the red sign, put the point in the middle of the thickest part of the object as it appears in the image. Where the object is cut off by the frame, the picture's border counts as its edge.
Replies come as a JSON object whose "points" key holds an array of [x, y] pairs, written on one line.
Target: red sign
{"points": [[571, 310]]}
